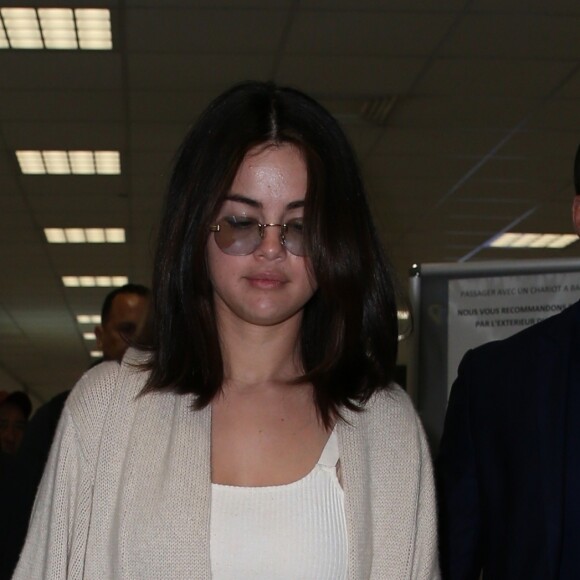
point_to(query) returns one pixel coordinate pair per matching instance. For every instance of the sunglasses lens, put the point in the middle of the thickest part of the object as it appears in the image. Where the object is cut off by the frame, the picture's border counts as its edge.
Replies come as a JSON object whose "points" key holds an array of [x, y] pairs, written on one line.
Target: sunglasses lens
{"points": [[294, 237], [237, 236]]}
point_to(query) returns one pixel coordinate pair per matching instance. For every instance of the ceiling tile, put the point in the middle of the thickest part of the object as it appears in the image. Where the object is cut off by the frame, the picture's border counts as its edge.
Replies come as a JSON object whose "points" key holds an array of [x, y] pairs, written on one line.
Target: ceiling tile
{"points": [[526, 6], [409, 141], [60, 70], [536, 143], [64, 136], [514, 36], [407, 166], [190, 72], [205, 4], [204, 30], [172, 106], [349, 76], [539, 170], [559, 115], [392, 5], [463, 113], [62, 106], [494, 78], [369, 33]]}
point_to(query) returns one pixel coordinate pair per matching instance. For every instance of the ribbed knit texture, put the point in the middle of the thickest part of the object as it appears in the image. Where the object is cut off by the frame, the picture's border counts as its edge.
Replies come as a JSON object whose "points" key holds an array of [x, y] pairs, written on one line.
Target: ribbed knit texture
{"points": [[284, 531], [126, 494]]}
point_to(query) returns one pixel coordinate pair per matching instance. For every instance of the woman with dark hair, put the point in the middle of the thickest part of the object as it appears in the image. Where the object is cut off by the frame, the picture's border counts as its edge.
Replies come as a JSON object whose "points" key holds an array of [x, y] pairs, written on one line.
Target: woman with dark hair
{"points": [[259, 434]]}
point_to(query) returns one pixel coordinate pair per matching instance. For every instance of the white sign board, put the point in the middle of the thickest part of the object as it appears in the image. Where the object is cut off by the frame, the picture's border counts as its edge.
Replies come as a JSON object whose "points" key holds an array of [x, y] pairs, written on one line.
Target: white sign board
{"points": [[485, 309]]}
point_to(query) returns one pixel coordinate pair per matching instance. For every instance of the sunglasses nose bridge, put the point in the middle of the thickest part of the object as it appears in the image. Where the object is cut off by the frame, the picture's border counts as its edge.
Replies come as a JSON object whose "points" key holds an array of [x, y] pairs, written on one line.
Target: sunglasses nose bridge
{"points": [[262, 230], [281, 236]]}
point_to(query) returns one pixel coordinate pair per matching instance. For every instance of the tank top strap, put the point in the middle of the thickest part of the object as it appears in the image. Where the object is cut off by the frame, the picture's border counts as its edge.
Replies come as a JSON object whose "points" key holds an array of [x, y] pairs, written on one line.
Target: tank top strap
{"points": [[330, 454]]}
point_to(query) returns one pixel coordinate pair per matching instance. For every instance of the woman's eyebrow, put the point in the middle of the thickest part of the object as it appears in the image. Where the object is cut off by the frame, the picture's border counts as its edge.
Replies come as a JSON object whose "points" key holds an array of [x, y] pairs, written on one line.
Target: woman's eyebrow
{"points": [[257, 204], [243, 199]]}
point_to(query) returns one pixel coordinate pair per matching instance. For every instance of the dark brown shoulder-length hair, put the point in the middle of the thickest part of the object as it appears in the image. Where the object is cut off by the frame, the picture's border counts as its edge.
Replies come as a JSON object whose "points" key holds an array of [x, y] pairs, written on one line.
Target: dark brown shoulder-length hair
{"points": [[349, 328]]}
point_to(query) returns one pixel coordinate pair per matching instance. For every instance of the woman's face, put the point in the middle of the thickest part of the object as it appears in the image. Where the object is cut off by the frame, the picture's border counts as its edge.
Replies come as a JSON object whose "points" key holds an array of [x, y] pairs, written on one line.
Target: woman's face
{"points": [[270, 285]]}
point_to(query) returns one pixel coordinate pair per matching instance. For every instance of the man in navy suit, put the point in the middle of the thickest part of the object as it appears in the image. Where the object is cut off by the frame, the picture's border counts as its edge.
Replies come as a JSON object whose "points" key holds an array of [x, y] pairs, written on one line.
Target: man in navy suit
{"points": [[509, 462]]}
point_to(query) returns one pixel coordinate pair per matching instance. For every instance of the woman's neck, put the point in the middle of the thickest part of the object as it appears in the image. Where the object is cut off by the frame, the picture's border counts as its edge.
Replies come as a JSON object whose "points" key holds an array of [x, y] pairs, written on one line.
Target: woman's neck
{"points": [[257, 355]]}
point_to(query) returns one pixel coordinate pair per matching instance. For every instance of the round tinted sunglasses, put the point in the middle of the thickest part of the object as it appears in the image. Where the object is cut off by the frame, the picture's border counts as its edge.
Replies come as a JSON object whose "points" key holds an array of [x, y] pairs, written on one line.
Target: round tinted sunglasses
{"points": [[240, 235]]}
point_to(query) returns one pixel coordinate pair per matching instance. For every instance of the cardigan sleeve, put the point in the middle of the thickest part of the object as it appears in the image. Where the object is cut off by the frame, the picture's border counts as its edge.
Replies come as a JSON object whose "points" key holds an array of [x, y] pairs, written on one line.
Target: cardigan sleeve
{"points": [[425, 565], [56, 540]]}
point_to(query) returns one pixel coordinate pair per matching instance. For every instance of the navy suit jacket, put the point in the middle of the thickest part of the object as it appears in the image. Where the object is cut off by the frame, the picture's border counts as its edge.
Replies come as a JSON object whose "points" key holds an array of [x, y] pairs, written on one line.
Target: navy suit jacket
{"points": [[509, 463]]}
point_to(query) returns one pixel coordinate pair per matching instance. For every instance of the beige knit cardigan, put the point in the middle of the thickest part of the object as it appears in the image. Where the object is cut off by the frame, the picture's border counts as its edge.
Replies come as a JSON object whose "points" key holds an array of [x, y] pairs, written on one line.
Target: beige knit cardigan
{"points": [[126, 491]]}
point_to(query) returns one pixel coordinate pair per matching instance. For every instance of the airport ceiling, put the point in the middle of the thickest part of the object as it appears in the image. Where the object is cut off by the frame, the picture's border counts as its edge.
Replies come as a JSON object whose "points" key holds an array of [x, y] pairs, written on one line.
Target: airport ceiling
{"points": [[479, 131]]}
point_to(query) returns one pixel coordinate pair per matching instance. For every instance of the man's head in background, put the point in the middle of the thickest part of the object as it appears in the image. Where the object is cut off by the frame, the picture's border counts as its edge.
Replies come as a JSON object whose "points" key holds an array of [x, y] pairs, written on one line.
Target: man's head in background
{"points": [[15, 410], [123, 316]]}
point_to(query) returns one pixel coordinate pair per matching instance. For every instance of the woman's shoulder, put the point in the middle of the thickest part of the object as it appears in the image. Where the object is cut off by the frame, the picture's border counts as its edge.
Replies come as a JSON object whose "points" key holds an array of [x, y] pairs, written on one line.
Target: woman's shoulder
{"points": [[392, 403], [104, 384], [390, 416], [388, 435]]}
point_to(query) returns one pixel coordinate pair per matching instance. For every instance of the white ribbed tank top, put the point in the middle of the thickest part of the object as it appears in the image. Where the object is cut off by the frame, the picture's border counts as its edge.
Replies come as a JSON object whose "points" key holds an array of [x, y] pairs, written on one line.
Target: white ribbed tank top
{"points": [[284, 532]]}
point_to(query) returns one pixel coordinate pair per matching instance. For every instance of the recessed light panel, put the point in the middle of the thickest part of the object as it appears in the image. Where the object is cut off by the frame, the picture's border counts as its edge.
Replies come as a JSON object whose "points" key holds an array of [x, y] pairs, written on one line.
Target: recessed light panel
{"points": [[56, 28], [108, 162], [94, 28], [85, 235], [526, 240], [89, 336], [89, 318], [82, 162], [69, 162], [96, 354], [94, 281]]}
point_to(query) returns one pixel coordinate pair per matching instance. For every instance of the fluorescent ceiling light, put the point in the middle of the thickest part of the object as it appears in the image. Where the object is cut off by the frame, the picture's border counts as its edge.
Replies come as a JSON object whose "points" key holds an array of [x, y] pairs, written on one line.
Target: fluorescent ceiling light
{"points": [[115, 235], [96, 353], [82, 162], [75, 235], [89, 318], [94, 281], [544, 240], [56, 28], [403, 314], [69, 162], [85, 235], [89, 336], [108, 162], [525, 240], [55, 235], [94, 235], [533, 240], [563, 241]]}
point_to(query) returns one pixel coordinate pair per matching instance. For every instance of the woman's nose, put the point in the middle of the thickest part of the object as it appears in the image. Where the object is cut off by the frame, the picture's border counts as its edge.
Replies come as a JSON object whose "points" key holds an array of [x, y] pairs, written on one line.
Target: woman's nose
{"points": [[271, 246]]}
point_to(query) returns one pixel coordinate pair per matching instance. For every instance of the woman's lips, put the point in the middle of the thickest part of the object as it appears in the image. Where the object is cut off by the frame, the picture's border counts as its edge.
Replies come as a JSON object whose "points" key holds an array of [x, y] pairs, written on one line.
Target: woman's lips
{"points": [[266, 280]]}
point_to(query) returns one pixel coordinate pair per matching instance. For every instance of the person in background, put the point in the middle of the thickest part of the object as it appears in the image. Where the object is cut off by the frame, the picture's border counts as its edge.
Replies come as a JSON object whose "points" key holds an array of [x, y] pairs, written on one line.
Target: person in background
{"points": [[508, 469], [15, 410], [123, 317]]}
